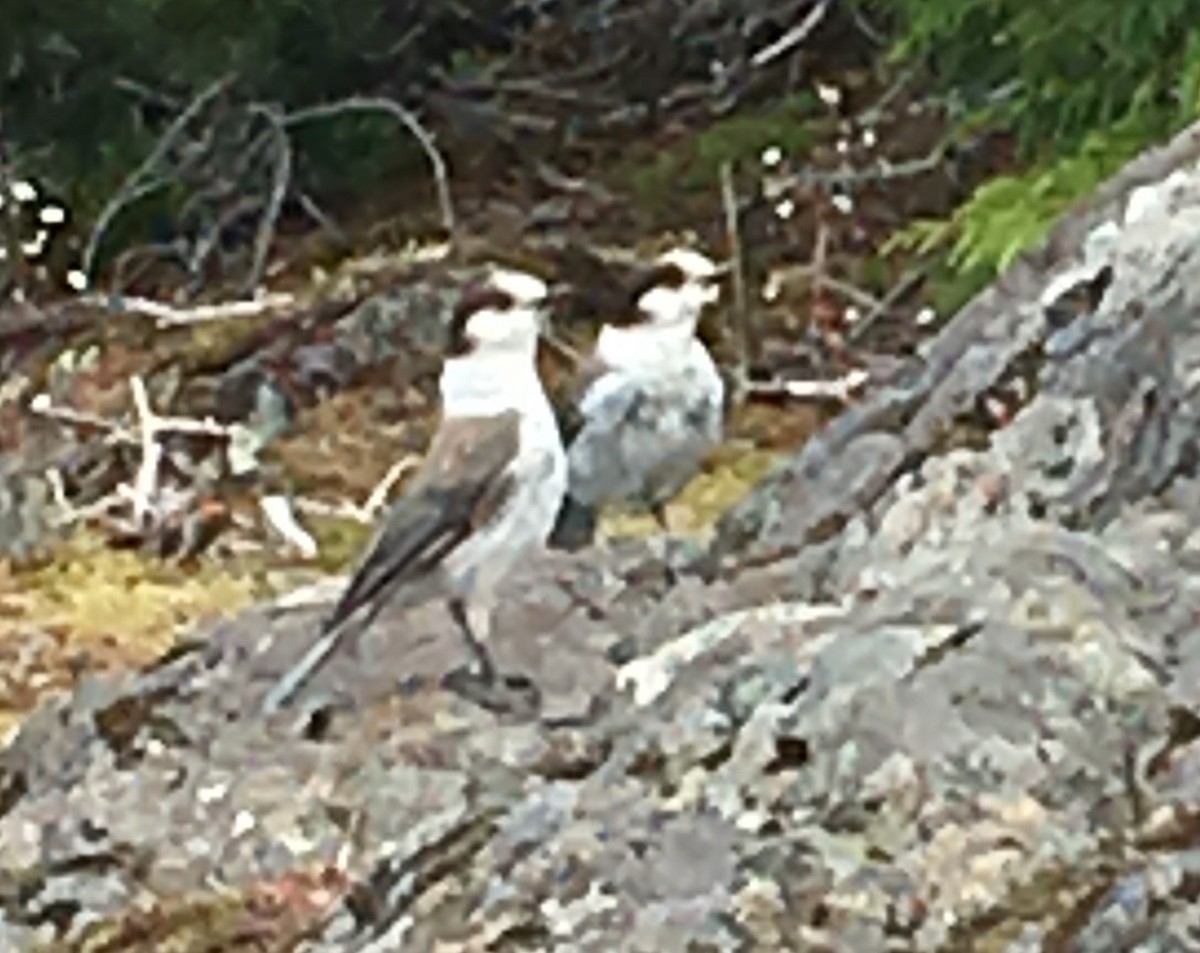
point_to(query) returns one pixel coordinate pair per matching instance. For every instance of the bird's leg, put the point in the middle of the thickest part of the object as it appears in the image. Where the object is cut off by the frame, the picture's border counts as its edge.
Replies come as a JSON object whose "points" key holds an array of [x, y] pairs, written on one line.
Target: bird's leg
{"points": [[485, 687], [660, 513], [462, 618]]}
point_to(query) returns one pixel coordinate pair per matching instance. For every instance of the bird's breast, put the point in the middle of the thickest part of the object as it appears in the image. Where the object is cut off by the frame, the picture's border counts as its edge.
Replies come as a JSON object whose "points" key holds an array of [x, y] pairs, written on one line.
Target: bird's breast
{"points": [[524, 521]]}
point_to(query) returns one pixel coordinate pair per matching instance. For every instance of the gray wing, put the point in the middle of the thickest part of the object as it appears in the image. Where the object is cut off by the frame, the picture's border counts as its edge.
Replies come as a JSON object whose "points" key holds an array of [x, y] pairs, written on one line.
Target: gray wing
{"points": [[642, 440], [464, 481]]}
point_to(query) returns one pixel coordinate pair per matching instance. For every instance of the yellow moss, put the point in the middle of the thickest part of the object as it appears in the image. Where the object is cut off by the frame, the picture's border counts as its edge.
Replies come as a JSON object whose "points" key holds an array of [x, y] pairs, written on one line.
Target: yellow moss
{"points": [[732, 471], [107, 609], [340, 540], [121, 597]]}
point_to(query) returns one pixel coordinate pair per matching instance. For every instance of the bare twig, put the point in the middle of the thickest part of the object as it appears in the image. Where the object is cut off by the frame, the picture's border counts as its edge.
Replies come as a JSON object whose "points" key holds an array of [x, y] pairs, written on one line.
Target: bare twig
{"points": [[145, 482], [367, 511], [820, 257], [844, 288], [378, 496], [143, 92], [563, 349], [134, 188], [907, 282], [874, 113], [68, 513], [210, 241], [865, 26], [279, 186], [124, 272], [733, 237], [410, 122], [318, 215], [143, 507], [881, 171], [841, 389], [794, 37], [43, 406]]}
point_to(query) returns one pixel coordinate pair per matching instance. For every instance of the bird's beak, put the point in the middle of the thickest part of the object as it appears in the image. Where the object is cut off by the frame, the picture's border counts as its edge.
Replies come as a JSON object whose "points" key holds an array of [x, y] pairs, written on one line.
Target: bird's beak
{"points": [[722, 269], [557, 294]]}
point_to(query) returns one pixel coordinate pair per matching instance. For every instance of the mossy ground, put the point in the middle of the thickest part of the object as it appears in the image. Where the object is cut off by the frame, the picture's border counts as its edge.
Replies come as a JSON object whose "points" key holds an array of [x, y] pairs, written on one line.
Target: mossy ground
{"points": [[94, 608]]}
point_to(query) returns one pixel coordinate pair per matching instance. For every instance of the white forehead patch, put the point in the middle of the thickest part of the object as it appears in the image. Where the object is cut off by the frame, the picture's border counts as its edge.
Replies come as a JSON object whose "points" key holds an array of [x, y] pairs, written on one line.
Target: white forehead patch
{"points": [[691, 263], [524, 288]]}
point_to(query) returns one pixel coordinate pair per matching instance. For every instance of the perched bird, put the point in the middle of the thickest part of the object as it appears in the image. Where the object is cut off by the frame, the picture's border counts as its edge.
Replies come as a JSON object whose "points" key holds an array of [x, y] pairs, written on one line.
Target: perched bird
{"points": [[487, 493], [651, 403]]}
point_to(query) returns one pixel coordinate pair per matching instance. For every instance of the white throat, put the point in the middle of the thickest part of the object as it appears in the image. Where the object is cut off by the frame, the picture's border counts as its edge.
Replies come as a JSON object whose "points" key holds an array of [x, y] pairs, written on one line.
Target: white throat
{"points": [[489, 382], [645, 345]]}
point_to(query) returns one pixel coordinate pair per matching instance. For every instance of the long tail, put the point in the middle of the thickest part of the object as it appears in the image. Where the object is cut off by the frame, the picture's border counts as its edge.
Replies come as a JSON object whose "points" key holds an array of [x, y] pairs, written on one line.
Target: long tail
{"points": [[295, 678], [575, 528]]}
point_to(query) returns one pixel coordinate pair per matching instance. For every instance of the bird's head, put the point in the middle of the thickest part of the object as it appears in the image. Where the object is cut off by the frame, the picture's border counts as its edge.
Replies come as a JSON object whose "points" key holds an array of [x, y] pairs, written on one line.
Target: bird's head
{"points": [[505, 313], [676, 289]]}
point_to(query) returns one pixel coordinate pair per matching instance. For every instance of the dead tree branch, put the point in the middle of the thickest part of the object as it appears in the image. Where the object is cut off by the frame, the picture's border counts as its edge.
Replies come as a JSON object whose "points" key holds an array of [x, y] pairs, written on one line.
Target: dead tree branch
{"points": [[793, 38], [135, 187], [733, 237], [411, 123], [279, 188]]}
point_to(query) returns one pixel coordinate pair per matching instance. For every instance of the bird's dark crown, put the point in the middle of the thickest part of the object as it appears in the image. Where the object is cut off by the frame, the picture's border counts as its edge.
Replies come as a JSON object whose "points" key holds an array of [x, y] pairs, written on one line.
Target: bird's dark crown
{"points": [[476, 298], [665, 274]]}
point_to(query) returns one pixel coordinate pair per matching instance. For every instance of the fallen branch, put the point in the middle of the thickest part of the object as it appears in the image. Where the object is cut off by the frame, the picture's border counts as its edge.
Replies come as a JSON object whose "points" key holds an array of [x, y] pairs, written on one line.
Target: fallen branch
{"points": [[43, 405], [142, 492], [820, 258], [159, 516], [169, 316], [210, 240], [123, 271], [318, 215], [378, 496]]}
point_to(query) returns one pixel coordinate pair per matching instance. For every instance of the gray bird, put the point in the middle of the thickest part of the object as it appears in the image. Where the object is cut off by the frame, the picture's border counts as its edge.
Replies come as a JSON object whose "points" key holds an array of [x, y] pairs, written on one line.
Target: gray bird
{"points": [[652, 401], [487, 492]]}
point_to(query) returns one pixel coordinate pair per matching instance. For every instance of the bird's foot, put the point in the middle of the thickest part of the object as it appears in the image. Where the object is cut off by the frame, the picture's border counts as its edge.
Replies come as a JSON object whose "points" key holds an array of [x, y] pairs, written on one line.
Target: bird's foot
{"points": [[512, 694]]}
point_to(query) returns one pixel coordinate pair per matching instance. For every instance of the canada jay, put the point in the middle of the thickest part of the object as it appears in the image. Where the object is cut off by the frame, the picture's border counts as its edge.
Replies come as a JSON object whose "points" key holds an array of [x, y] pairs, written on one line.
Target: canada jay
{"points": [[652, 402], [487, 493]]}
